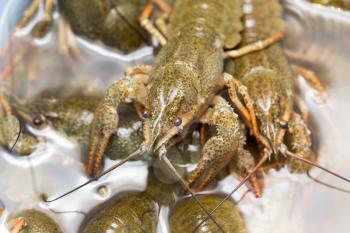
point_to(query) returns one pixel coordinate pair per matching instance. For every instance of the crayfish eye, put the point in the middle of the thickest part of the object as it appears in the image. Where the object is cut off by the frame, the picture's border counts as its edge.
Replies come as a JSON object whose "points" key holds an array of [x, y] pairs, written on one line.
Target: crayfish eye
{"points": [[39, 120], [284, 125], [145, 114], [178, 122]]}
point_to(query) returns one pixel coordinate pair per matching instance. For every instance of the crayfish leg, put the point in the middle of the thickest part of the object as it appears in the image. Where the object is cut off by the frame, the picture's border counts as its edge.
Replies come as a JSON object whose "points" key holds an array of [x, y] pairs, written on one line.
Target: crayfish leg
{"points": [[42, 27], [301, 105], [163, 17], [29, 13], [311, 78], [17, 225], [149, 26], [68, 46], [256, 46]]}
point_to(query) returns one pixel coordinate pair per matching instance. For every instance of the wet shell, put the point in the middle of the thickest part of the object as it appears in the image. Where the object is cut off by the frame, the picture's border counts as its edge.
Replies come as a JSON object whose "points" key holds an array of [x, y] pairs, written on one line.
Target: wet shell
{"points": [[130, 213], [187, 214], [38, 222]]}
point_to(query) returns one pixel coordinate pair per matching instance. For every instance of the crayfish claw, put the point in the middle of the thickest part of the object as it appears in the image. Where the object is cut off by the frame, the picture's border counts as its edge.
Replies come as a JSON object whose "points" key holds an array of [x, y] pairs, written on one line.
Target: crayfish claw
{"points": [[104, 124]]}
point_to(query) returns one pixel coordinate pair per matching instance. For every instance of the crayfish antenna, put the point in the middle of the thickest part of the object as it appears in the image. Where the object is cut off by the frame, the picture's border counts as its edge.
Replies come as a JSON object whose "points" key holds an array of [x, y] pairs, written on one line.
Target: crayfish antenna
{"points": [[260, 163], [17, 139], [186, 187], [43, 197], [68, 212], [135, 29], [131, 156], [325, 184], [290, 154]]}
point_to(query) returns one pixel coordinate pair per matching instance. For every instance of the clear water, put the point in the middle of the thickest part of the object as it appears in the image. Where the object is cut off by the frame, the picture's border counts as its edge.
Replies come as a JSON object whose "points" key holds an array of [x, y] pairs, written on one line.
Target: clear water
{"points": [[290, 203]]}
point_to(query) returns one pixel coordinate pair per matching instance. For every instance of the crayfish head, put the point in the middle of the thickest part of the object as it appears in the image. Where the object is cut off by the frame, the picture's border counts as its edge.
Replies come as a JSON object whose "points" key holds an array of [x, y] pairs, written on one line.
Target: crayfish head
{"points": [[36, 113], [165, 107]]}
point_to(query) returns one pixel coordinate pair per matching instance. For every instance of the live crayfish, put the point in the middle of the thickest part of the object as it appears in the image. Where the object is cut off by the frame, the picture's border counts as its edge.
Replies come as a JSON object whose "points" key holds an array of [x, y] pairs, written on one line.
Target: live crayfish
{"points": [[173, 103], [70, 117], [266, 79], [177, 90], [266, 82], [114, 22], [180, 89]]}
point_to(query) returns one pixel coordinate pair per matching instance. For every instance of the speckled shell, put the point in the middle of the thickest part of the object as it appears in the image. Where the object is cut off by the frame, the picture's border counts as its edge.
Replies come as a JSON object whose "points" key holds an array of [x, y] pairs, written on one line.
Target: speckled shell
{"points": [[192, 60], [134, 213], [186, 215], [266, 73], [224, 17], [38, 222]]}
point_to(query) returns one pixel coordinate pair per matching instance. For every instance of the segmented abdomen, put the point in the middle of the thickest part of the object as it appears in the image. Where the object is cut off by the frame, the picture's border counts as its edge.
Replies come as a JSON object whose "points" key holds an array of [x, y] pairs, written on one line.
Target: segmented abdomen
{"points": [[261, 18], [223, 17]]}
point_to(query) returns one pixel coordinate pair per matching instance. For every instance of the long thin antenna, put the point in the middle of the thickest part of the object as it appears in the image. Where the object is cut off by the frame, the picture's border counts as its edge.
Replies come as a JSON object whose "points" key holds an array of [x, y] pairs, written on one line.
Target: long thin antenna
{"points": [[132, 155], [185, 185], [325, 184], [316, 165], [43, 197], [132, 27], [262, 160], [18, 136], [67, 212]]}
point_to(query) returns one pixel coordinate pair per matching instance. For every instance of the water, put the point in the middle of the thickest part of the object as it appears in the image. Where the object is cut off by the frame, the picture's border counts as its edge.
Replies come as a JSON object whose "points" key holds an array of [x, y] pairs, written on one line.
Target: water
{"points": [[56, 167], [290, 203]]}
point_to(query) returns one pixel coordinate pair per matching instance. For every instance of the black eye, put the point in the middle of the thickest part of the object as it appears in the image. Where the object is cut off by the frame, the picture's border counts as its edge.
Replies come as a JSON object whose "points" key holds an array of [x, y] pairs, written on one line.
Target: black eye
{"points": [[145, 114], [284, 125], [39, 120], [178, 122]]}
